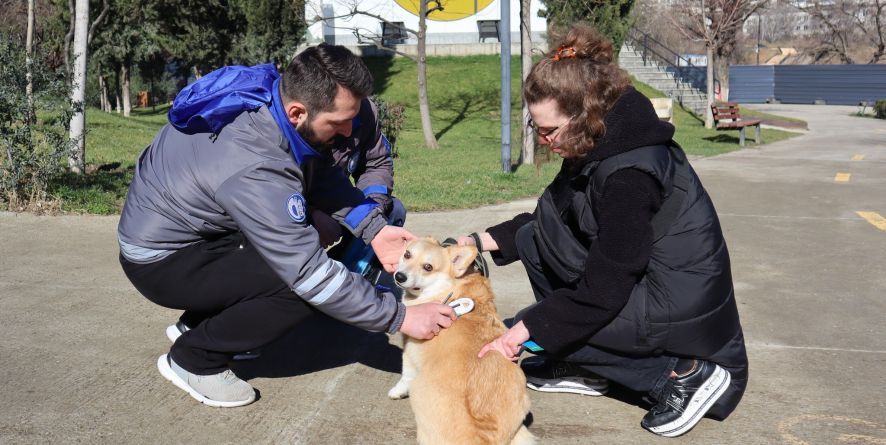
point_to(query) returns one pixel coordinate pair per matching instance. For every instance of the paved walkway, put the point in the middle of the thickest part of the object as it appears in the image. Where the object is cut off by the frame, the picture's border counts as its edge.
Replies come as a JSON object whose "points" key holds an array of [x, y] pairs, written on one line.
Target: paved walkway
{"points": [[79, 345]]}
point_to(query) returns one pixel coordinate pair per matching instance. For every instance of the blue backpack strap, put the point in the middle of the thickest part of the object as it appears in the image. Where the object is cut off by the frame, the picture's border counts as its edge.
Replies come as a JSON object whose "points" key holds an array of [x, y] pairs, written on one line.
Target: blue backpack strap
{"points": [[217, 98]]}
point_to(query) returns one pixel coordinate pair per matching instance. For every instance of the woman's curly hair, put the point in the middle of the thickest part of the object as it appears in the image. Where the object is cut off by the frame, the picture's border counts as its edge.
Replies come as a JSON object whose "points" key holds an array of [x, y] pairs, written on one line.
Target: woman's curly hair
{"points": [[580, 77]]}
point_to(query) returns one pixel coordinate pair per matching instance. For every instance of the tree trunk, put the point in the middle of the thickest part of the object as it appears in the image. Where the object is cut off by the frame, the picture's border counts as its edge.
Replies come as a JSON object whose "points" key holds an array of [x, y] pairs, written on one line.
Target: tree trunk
{"points": [[103, 92], [76, 160], [708, 116], [527, 152], [423, 105], [124, 87], [197, 74], [69, 36], [29, 61]]}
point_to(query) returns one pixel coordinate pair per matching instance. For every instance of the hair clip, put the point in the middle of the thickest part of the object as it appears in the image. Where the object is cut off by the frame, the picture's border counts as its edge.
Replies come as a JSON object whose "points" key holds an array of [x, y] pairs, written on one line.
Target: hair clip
{"points": [[564, 52]]}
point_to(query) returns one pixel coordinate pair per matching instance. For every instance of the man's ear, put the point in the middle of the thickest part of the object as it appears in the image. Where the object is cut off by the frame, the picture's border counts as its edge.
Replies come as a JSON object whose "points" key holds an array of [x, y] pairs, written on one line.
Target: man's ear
{"points": [[296, 112], [462, 258]]}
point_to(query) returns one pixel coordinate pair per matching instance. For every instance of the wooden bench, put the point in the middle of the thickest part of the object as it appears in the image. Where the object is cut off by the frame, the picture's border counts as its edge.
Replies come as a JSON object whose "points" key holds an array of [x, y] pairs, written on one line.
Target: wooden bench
{"points": [[664, 108], [488, 29], [729, 111]]}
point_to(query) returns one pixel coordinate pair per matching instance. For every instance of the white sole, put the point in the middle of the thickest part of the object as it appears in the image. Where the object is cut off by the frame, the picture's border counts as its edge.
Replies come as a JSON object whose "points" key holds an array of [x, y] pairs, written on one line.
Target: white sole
{"points": [[593, 391], [701, 402], [172, 333], [167, 372]]}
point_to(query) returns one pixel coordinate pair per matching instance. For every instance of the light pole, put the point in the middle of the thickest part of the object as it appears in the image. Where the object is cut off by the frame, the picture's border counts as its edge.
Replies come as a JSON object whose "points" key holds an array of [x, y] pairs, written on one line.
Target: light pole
{"points": [[759, 33]]}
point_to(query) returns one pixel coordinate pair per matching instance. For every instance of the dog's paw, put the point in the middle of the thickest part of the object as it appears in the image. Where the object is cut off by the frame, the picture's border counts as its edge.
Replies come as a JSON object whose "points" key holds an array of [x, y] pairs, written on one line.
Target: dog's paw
{"points": [[399, 391]]}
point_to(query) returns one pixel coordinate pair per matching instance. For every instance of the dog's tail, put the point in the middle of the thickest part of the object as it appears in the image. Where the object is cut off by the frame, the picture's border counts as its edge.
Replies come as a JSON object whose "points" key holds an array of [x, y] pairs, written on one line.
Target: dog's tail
{"points": [[497, 400]]}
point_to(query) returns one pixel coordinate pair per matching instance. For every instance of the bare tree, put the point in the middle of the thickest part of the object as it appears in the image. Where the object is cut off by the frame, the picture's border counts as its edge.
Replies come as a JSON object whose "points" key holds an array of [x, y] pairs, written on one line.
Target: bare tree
{"points": [[76, 161], [29, 61], [527, 153], [377, 39], [846, 30], [717, 24]]}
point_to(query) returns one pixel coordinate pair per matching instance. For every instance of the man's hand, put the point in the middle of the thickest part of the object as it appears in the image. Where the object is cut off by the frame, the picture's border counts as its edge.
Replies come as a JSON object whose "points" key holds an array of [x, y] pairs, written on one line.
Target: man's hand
{"points": [[389, 245], [509, 344], [328, 228], [425, 321]]}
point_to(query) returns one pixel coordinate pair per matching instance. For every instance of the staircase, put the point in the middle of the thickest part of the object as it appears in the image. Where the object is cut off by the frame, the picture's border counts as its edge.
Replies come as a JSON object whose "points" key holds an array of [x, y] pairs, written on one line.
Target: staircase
{"points": [[653, 64]]}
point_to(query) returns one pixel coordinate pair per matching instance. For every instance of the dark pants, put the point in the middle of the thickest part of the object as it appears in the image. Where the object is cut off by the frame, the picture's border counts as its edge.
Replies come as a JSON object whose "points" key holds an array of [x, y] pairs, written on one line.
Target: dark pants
{"points": [[643, 374], [233, 301]]}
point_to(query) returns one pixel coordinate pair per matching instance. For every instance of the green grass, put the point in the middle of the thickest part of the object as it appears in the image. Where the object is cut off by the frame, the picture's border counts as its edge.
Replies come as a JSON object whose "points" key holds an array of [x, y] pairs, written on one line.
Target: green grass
{"points": [[464, 172]]}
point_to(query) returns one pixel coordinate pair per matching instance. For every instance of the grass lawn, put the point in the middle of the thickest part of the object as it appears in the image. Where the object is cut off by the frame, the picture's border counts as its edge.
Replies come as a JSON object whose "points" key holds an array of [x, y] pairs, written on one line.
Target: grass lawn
{"points": [[464, 172]]}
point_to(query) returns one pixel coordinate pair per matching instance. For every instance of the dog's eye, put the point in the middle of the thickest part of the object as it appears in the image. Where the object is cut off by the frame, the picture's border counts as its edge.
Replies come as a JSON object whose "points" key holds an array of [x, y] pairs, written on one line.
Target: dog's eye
{"points": [[407, 255], [427, 267]]}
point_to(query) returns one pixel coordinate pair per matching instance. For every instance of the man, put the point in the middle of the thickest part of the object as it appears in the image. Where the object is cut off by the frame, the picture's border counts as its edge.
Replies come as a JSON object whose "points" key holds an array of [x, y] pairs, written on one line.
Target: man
{"points": [[364, 155], [216, 220]]}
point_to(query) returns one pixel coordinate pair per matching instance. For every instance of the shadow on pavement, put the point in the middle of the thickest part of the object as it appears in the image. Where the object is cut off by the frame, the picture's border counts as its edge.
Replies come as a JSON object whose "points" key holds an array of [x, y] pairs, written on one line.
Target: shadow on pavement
{"points": [[321, 343]]}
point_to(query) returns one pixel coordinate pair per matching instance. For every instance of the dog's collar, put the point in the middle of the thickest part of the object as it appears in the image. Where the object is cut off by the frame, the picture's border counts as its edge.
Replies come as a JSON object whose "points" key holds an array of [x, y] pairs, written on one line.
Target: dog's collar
{"points": [[479, 261]]}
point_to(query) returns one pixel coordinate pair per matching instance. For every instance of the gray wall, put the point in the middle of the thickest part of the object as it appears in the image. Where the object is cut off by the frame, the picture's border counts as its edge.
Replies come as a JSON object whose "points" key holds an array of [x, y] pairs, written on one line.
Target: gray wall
{"points": [[806, 84]]}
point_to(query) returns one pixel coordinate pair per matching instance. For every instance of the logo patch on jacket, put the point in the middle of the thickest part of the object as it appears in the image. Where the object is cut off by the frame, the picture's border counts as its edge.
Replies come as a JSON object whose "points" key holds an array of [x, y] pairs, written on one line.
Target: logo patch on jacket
{"points": [[296, 207]]}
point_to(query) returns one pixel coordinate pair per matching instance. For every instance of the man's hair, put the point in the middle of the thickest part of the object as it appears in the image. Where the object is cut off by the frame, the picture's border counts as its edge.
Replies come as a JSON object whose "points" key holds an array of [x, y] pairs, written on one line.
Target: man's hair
{"points": [[314, 75], [580, 76]]}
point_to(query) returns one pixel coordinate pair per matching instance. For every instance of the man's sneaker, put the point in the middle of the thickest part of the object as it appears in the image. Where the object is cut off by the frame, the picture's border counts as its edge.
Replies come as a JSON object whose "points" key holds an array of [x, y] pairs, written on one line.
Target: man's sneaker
{"points": [[224, 390], [684, 401], [174, 331], [549, 375]]}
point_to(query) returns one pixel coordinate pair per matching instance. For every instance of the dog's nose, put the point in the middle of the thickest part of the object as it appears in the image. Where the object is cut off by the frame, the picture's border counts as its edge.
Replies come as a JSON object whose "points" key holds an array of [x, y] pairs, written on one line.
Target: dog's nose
{"points": [[400, 277]]}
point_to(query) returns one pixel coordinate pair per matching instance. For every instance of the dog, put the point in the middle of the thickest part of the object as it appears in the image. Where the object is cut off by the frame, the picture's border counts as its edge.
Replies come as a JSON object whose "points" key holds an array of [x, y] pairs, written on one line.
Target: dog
{"points": [[456, 397]]}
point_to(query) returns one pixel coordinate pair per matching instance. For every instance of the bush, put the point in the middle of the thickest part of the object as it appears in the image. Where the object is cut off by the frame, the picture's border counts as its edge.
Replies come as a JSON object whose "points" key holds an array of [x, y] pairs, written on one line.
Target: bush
{"points": [[391, 117], [34, 139], [880, 109]]}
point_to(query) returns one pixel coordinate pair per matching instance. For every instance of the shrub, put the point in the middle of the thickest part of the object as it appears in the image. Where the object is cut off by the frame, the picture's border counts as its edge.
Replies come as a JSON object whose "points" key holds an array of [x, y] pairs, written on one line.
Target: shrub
{"points": [[391, 117], [880, 109], [34, 140]]}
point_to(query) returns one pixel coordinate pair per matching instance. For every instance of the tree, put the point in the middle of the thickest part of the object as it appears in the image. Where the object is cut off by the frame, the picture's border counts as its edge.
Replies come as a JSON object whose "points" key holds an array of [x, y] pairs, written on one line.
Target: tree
{"points": [[76, 161], [846, 30], [200, 34], [420, 58], [716, 23], [611, 18], [29, 61], [273, 29], [527, 152]]}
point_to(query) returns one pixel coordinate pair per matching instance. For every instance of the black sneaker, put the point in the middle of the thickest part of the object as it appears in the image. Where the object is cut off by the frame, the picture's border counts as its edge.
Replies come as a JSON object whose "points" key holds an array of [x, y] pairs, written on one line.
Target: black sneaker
{"points": [[684, 401], [547, 375]]}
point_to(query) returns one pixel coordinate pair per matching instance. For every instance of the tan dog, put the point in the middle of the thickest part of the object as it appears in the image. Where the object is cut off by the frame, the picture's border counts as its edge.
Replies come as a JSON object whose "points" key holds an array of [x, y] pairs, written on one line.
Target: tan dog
{"points": [[458, 398]]}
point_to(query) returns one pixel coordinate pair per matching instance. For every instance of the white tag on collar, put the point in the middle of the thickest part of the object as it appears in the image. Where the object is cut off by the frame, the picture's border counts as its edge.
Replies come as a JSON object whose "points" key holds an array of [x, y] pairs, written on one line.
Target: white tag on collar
{"points": [[462, 306]]}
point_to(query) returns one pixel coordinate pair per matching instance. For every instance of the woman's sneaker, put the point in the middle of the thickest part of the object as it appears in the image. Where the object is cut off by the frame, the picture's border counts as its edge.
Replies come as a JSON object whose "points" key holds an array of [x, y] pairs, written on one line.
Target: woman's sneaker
{"points": [[174, 331], [547, 375], [685, 400], [224, 390]]}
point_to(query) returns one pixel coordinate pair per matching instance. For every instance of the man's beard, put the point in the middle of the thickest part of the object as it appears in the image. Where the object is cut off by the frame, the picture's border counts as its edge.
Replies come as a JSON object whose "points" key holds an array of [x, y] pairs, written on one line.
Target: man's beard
{"points": [[306, 131]]}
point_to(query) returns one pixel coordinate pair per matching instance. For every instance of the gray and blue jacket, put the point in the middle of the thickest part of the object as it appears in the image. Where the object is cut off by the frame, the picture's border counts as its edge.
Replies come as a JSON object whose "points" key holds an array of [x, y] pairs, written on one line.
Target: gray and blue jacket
{"points": [[252, 173]]}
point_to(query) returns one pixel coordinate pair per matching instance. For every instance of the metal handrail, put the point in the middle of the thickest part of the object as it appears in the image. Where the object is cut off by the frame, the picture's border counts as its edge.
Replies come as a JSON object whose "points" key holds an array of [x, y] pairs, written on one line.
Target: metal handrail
{"points": [[652, 48]]}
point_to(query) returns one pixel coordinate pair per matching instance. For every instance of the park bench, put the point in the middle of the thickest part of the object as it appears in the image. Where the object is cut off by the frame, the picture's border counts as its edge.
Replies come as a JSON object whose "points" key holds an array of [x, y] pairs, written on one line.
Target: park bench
{"points": [[488, 29], [729, 111]]}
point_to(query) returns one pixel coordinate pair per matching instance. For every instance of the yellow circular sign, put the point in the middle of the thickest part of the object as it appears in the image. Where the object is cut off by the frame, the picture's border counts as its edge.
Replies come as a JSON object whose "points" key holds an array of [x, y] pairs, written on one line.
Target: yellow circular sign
{"points": [[452, 9]]}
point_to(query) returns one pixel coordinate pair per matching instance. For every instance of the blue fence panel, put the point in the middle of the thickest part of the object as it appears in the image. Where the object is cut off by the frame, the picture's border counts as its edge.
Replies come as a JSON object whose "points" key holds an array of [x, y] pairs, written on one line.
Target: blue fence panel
{"points": [[751, 83], [806, 84]]}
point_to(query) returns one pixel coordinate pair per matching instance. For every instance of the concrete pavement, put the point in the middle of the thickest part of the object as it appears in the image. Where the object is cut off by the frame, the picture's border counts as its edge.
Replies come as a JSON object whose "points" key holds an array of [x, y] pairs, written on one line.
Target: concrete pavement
{"points": [[78, 345]]}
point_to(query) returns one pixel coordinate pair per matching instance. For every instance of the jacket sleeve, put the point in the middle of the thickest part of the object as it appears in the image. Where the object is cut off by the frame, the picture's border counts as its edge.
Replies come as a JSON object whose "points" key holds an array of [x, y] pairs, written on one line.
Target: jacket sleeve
{"points": [[505, 235], [615, 263], [267, 203], [332, 192], [375, 175]]}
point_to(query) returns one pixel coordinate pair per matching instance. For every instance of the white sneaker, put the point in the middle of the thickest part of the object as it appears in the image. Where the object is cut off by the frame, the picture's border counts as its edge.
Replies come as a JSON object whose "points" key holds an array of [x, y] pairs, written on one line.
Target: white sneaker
{"points": [[223, 390]]}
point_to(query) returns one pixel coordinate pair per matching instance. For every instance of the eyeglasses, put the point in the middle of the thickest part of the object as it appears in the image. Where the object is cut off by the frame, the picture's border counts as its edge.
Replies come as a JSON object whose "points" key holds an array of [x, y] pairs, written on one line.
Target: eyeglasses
{"points": [[546, 132]]}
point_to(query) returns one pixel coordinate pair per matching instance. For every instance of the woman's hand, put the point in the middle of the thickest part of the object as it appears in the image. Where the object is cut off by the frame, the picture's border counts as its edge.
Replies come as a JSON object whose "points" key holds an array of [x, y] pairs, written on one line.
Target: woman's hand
{"points": [[509, 344], [486, 240]]}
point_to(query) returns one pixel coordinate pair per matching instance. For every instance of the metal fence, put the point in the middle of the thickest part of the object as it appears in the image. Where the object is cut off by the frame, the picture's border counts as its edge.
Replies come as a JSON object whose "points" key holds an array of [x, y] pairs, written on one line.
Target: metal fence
{"points": [[807, 84]]}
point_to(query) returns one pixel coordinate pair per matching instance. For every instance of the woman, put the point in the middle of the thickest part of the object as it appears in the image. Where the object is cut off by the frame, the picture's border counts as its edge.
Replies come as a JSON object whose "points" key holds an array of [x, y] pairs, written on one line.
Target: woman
{"points": [[624, 251]]}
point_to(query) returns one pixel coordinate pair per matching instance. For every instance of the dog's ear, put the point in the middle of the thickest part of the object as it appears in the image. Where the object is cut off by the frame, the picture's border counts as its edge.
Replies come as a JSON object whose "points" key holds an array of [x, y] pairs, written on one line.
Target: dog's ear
{"points": [[462, 258]]}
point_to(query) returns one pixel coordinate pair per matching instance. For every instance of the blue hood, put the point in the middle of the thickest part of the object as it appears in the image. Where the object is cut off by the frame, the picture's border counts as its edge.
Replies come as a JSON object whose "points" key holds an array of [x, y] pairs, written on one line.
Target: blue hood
{"points": [[217, 98]]}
